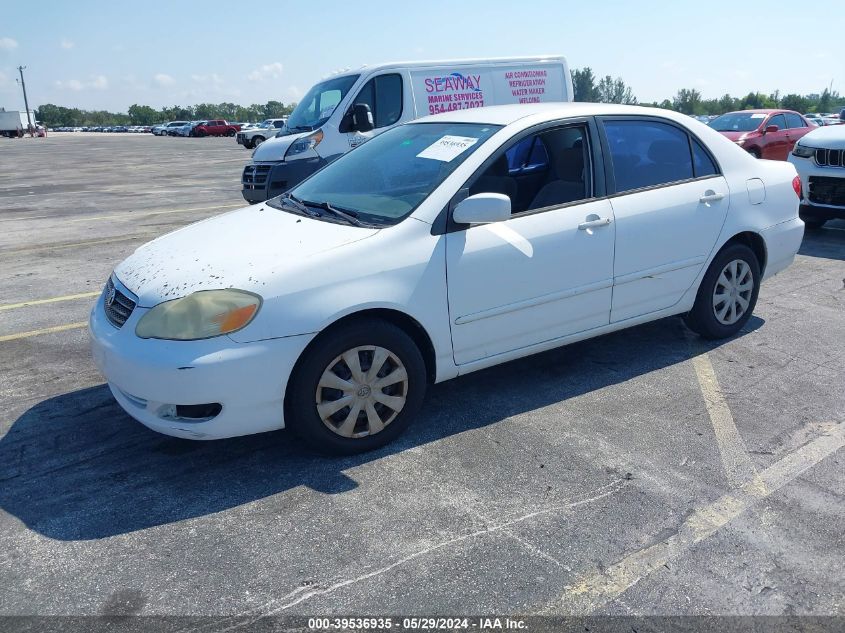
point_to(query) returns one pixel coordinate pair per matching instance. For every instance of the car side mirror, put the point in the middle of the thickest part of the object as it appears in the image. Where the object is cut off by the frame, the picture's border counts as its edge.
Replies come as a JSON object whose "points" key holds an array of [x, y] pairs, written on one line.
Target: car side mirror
{"points": [[362, 118], [482, 208], [771, 128]]}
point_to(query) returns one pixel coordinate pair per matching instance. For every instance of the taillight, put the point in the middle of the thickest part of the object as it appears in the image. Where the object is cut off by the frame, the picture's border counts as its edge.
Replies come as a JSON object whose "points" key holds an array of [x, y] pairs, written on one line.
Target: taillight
{"points": [[796, 185]]}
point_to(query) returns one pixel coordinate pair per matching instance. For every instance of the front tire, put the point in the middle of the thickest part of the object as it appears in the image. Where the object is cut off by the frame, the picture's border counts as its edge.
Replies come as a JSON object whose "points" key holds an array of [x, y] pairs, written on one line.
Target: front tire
{"points": [[727, 294], [754, 152], [257, 140], [356, 388]]}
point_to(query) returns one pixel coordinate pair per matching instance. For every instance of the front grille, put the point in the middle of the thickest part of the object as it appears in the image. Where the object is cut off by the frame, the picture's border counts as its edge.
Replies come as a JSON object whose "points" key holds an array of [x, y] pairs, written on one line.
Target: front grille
{"points": [[830, 157], [826, 190], [117, 305], [255, 176]]}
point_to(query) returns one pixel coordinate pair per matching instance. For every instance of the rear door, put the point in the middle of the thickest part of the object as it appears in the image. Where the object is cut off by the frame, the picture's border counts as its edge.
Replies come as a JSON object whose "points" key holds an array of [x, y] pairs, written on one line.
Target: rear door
{"points": [[797, 127], [670, 201]]}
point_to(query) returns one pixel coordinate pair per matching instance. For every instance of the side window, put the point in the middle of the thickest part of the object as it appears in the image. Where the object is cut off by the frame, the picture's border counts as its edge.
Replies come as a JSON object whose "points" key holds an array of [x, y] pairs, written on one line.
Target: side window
{"points": [[546, 169], [367, 95], [279, 124], [794, 121], [778, 120], [526, 156], [702, 164], [647, 153], [388, 100]]}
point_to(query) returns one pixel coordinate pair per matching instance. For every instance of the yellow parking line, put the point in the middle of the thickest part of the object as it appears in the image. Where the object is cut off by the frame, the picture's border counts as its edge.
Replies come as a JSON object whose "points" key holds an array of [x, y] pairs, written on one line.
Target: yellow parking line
{"points": [[130, 214], [46, 330], [739, 468], [35, 302], [594, 590]]}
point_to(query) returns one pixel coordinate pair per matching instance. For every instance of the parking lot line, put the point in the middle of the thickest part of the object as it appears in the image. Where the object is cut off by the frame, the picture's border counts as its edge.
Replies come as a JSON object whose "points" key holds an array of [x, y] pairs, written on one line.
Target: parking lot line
{"points": [[597, 589], [35, 302], [158, 212], [738, 465], [49, 247], [46, 330]]}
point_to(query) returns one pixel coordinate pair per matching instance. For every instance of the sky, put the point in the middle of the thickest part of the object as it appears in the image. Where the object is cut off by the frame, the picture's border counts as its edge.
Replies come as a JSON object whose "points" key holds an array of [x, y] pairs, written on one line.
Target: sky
{"points": [[109, 55]]}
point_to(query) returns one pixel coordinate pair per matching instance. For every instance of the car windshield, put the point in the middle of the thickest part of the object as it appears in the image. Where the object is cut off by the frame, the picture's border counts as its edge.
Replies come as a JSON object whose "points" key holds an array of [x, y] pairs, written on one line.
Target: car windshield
{"points": [[382, 181], [318, 105], [738, 122]]}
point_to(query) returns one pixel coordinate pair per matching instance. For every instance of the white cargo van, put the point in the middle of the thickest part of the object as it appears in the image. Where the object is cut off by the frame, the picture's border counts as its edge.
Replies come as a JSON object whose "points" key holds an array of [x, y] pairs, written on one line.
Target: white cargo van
{"points": [[346, 109]]}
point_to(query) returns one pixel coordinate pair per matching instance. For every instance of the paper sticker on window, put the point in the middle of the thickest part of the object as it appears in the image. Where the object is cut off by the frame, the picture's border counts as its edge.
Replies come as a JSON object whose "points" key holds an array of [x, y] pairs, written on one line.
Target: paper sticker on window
{"points": [[447, 148], [758, 116]]}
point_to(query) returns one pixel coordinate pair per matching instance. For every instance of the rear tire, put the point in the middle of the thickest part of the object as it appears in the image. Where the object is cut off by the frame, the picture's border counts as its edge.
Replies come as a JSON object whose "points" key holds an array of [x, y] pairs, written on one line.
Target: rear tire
{"points": [[727, 294], [381, 396]]}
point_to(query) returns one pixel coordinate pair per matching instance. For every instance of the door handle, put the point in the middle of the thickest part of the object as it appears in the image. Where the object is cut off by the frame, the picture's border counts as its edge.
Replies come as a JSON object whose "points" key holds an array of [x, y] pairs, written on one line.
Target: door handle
{"points": [[711, 196], [591, 224]]}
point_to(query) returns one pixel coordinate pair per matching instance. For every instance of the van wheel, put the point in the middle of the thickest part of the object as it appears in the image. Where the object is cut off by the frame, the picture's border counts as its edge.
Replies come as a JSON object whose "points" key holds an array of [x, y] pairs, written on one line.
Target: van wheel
{"points": [[257, 140], [727, 294], [356, 388]]}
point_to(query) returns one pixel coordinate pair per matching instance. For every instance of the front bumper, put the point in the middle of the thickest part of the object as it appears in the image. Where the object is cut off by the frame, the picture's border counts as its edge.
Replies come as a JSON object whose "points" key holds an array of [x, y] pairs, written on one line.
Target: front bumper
{"points": [[150, 377], [822, 197], [262, 181]]}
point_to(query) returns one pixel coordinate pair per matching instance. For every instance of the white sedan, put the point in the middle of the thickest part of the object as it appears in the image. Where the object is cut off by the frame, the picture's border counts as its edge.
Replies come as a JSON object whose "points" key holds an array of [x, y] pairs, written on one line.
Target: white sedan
{"points": [[440, 247]]}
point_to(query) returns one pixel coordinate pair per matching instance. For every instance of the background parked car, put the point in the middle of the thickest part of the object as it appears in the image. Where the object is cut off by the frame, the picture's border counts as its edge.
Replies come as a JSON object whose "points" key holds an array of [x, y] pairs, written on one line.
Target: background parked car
{"points": [[819, 158], [169, 129], [763, 133], [215, 127], [255, 136]]}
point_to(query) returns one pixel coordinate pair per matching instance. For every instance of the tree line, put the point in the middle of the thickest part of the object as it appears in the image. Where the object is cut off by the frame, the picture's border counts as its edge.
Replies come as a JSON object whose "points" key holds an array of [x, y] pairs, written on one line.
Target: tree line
{"points": [[587, 87], [53, 115]]}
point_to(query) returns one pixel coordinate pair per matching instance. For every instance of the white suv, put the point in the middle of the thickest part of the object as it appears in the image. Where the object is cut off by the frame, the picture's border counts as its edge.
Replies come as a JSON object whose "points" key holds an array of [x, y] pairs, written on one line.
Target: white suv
{"points": [[819, 158]]}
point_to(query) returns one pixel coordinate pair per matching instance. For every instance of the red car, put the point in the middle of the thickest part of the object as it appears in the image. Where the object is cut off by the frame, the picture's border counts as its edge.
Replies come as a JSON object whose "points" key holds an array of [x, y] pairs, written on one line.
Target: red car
{"points": [[216, 127], [763, 133]]}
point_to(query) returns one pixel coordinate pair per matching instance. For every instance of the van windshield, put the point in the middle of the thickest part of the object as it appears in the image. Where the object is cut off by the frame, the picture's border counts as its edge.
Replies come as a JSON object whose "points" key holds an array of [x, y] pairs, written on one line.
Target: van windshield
{"points": [[382, 181], [318, 105]]}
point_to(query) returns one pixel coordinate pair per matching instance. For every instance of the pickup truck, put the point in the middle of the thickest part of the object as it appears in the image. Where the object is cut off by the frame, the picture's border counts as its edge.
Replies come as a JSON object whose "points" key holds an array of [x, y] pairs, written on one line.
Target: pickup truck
{"points": [[216, 127], [254, 137]]}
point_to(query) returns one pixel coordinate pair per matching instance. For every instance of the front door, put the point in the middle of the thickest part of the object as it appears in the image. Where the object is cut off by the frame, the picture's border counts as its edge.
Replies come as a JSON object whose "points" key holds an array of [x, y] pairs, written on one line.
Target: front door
{"points": [[547, 271]]}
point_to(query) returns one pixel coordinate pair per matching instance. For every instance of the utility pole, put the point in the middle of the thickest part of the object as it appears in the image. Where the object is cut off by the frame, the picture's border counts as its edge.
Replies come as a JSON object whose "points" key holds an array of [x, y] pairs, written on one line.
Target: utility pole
{"points": [[25, 100]]}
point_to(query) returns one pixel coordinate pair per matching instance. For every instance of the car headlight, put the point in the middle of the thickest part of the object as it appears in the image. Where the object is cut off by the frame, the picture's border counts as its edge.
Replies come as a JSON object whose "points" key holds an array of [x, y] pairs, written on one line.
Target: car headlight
{"points": [[202, 314], [305, 143], [802, 151]]}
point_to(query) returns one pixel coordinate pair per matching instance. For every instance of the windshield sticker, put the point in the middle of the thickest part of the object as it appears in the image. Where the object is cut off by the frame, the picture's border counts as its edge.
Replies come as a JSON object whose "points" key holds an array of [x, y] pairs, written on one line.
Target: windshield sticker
{"points": [[447, 148], [758, 116]]}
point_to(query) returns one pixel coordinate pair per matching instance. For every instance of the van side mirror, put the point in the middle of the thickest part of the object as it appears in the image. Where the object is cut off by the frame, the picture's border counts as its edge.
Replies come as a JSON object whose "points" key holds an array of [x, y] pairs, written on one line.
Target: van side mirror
{"points": [[482, 208], [771, 128], [362, 118]]}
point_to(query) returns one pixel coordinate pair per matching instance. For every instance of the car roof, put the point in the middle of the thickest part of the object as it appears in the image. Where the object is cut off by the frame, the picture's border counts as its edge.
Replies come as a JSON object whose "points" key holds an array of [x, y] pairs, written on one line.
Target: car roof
{"points": [[507, 114]]}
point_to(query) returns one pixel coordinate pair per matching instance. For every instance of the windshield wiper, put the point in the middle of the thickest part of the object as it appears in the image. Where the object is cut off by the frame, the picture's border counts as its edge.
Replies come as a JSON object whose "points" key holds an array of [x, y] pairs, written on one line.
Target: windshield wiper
{"points": [[293, 202], [347, 214], [300, 128]]}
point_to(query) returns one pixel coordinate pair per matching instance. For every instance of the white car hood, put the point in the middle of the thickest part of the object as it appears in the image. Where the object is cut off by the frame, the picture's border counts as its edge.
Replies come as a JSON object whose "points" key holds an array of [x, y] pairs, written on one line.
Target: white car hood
{"points": [[828, 137], [273, 149], [244, 249]]}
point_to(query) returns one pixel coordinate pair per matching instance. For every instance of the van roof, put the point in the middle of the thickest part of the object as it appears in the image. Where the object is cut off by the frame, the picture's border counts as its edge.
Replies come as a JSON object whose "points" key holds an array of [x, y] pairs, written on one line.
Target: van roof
{"points": [[507, 114], [489, 61]]}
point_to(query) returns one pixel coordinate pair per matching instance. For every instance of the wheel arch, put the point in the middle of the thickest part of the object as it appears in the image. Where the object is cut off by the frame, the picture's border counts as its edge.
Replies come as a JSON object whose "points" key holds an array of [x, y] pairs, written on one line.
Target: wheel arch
{"points": [[402, 320], [755, 242]]}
